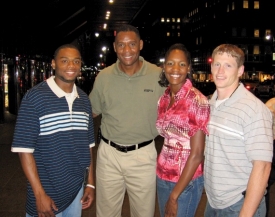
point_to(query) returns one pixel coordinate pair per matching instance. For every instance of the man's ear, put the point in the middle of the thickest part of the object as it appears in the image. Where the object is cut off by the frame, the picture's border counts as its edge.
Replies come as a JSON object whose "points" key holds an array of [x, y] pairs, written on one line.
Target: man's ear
{"points": [[114, 46], [53, 64], [140, 44], [240, 71]]}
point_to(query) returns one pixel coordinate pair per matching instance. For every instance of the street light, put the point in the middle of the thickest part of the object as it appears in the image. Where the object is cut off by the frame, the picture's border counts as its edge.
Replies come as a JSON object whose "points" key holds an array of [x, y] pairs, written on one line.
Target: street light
{"points": [[270, 38], [104, 49]]}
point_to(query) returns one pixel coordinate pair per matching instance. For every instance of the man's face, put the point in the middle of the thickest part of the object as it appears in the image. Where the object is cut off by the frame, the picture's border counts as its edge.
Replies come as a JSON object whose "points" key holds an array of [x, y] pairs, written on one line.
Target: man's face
{"points": [[225, 71], [127, 47], [67, 65]]}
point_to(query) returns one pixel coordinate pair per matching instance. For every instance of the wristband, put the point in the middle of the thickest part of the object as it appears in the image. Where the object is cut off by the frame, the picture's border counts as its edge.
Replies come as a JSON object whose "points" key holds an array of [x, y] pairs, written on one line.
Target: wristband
{"points": [[90, 186]]}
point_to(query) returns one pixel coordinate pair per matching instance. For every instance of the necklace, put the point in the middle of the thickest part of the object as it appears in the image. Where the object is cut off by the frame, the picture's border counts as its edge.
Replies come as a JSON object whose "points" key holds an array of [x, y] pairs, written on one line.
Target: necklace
{"points": [[231, 93]]}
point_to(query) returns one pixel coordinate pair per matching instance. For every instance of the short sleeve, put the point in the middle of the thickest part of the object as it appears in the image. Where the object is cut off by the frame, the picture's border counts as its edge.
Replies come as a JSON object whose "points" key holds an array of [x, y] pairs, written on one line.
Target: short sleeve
{"points": [[199, 114], [95, 97], [27, 127], [91, 130]]}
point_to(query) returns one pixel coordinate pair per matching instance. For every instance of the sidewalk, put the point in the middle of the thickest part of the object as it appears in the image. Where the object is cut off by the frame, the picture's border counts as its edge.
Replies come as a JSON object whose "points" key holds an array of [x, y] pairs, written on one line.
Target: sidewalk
{"points": [[13, 181]]}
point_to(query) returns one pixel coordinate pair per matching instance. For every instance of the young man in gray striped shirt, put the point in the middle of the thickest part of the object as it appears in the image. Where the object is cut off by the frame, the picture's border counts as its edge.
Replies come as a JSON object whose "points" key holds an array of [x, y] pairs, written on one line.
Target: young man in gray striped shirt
{"points": [[239, 147]]}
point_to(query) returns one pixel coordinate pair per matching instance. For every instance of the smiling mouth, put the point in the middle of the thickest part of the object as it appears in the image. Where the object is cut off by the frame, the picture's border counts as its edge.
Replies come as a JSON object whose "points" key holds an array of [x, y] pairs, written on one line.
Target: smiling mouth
{"points": [[220, 78], [175, 76], [70, 72]]}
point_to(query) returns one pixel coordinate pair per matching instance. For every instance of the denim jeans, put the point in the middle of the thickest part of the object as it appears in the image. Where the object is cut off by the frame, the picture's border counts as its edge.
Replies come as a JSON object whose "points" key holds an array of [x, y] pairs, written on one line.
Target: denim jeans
{"points": [[73, 210], [234, 210], [188, 200]]}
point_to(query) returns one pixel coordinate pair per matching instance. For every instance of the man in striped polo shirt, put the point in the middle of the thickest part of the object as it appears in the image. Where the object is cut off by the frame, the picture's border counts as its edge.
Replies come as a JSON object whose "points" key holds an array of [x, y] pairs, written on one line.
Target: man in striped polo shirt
{"points": [[54, 138], [239, 147]]}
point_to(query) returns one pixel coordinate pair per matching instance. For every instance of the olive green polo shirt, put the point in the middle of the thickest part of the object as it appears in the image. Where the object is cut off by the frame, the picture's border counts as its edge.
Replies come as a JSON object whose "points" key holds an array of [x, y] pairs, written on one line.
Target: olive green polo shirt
{"points": [[128, 104]]}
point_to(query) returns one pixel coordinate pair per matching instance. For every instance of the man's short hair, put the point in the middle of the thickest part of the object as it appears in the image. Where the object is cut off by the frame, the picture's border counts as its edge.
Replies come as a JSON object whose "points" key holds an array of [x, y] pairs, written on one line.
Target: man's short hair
{"points": [[65, 46], [128, 28], [231, 50]]}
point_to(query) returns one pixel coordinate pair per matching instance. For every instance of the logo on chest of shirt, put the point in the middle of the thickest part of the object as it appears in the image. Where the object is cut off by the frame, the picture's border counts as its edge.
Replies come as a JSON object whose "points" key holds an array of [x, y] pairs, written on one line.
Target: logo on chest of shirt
{"points": [[148, 90]]}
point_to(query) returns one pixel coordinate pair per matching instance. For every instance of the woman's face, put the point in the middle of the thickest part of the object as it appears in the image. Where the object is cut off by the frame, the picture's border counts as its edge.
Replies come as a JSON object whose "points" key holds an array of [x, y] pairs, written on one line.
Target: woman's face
{"points": [[176, 67]]}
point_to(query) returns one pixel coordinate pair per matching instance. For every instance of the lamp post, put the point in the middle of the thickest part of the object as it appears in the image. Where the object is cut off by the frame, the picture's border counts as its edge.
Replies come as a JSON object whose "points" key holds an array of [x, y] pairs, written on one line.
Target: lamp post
{"points": [[2, 89], [273, 50], [104, 50], [270, 39]]}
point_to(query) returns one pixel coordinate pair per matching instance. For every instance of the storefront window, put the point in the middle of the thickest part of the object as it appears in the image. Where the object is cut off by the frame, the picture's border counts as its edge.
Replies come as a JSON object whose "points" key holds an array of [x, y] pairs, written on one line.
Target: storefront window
{"points": [[245, 4]]}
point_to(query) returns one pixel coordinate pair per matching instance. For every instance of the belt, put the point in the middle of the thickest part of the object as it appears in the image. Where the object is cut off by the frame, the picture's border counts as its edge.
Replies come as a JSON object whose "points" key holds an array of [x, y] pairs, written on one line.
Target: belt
{"points": [[125, 148]]}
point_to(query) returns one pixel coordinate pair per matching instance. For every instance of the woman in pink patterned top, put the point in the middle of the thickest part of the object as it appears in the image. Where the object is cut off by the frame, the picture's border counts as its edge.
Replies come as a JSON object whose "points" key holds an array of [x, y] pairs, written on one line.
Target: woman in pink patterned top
{"points": [[183, 114]]}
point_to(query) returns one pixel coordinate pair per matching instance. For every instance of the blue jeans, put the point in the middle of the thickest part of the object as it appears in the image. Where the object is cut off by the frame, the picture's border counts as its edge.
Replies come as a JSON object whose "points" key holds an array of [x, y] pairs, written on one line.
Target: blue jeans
{"points": [[73, 210], [188, 200], [234, 210]]}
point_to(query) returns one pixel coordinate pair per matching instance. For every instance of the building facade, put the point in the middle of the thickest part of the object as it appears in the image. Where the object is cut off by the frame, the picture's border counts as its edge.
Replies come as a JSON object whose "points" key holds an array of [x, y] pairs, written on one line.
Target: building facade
{"points": [[202, 25]]}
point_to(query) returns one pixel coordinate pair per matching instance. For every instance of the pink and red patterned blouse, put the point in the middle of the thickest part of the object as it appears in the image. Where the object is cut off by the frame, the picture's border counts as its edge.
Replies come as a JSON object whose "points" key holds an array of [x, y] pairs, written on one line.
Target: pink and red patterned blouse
{"points": [[189, 113]]}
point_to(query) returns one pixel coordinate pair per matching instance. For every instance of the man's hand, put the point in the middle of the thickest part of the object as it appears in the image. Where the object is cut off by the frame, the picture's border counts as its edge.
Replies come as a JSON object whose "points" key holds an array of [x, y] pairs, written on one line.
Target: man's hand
{"points": [[256, 187], [45, 206], [87, 198]]}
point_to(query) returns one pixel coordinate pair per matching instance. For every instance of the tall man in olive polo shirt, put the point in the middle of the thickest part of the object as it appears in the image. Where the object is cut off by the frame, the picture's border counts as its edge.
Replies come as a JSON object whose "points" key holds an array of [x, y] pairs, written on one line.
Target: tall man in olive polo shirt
{"points": [[126, 94]]}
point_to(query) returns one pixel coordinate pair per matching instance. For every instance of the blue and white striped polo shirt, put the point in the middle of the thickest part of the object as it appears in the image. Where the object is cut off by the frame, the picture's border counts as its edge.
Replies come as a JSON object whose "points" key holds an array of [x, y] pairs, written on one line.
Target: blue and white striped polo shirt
{"points": [[59, 135]]}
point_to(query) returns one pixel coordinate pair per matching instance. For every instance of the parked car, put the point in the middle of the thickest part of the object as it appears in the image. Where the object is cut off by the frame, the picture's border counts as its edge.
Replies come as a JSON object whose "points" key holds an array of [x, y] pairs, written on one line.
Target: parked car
{"points": [[250, 84], [265, 88]]}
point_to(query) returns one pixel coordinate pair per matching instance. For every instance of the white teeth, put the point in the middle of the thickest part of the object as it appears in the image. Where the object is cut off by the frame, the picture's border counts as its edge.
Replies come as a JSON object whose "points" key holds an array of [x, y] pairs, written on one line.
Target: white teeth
{"points": [[175, 76]]}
